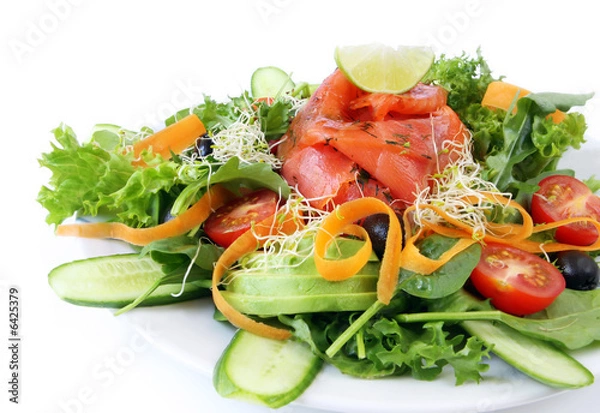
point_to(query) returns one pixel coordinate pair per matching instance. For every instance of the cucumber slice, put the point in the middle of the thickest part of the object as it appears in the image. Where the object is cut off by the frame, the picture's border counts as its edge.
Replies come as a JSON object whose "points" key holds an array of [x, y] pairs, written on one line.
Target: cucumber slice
{"points": [[270, 81], [538, 359], [265, 371], [117, 280]]}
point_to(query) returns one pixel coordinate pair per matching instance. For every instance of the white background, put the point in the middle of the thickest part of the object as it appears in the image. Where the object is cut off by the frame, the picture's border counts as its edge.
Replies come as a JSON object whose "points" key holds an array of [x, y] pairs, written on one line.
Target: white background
{"points": [[135, 62]]}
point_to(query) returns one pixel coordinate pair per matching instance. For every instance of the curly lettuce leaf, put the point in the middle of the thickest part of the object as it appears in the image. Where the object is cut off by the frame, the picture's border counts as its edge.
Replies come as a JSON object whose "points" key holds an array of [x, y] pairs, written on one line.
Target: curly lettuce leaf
{"points": [[274, 117], [551, 138], [429, 350], [511, 148], [138, 202], [82, 175], [465, 79], [214, 115], [392, 348], [486, 125], [532, 143], [593, 183], [90, 181]]}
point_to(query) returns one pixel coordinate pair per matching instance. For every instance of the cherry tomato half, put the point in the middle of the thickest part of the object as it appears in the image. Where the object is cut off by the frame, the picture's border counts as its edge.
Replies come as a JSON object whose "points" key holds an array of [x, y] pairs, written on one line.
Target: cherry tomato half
{"points": [[561, 197], [516, 282], [230, 221]]}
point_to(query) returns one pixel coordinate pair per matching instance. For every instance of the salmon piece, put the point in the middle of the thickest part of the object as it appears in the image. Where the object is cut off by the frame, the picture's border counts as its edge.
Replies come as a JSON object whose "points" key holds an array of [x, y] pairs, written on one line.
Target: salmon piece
{"points": [[347, 143], [420, 100], [329, 103], [401, 154], [342, 181]]}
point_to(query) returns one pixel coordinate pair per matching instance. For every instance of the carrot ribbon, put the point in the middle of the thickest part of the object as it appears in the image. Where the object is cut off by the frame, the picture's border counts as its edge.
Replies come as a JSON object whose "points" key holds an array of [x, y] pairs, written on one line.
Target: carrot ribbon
{"points": [[342, 221], [517, 235], [250, 241], [215, 196], [502, 95], [174, 138]]}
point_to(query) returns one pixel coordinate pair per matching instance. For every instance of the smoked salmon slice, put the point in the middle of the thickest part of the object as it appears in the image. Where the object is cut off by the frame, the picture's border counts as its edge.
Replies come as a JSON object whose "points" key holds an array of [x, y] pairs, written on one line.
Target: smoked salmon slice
{"points": [[342, 179], [420, 100], [346, 143]]}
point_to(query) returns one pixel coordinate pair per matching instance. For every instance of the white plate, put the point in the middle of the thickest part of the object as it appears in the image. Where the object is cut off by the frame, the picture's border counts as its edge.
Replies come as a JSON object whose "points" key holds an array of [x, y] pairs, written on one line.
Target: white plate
{"points": [[188, 334]]}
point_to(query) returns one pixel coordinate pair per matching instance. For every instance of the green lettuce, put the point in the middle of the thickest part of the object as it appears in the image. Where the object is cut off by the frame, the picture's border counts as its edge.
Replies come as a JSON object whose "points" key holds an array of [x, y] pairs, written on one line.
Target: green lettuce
{"points": [[83, 176], [512, 149], [89, 180], [274, 117], [385, 347], [532, 144], [465, 79]]}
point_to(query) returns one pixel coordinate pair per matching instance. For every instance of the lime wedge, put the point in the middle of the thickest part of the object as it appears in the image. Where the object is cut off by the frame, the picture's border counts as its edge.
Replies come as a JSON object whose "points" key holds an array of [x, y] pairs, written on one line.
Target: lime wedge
{"points": [[384, 69]]}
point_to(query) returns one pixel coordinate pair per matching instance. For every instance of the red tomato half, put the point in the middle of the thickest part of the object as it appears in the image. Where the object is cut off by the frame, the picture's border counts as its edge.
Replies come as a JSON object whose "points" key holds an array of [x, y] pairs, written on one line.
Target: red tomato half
{"points": [[516, 282], [561, 197], [230, 221]]}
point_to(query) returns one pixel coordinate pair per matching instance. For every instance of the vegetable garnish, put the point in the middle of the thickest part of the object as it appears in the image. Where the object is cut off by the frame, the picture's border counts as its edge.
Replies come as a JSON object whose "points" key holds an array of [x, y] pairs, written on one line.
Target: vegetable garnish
{"points": [[248, 242], [245, 140], [502, 95], [508, 233], [341, 220], [381, 68], [542, 247], [515, 281], [504, 232], [563, 196], [413, 260], [173, 139], [188, 220]]}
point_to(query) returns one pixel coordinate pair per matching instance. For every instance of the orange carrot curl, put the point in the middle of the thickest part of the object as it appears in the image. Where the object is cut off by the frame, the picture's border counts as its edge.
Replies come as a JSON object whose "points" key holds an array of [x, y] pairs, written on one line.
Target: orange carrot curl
{"points": [[342, 220], [186, 221], [517, 235], [173, 139], [250, 241], [502, 95]]}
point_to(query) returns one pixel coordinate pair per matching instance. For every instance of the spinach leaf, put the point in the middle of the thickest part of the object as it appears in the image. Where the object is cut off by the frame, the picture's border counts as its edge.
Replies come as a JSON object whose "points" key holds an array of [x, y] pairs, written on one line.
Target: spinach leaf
{"points": [[572, 321], [235, 174], [446, 280], [178, 252], [419, 285], [184, 261]]}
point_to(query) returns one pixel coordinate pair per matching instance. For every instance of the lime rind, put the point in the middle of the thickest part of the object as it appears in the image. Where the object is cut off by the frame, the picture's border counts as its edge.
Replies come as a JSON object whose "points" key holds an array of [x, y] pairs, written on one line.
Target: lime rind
{"points": [[379, 68]]}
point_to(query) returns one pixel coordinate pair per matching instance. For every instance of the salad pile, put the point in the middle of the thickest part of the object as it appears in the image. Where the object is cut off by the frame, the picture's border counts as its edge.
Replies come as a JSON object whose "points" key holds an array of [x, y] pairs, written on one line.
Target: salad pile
{"points": [[283, 205]]}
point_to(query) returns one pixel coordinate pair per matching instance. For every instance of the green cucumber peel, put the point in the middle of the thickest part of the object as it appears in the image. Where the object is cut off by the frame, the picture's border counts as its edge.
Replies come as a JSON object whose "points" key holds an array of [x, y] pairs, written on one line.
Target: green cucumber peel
{"points": [[264, 371]]}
